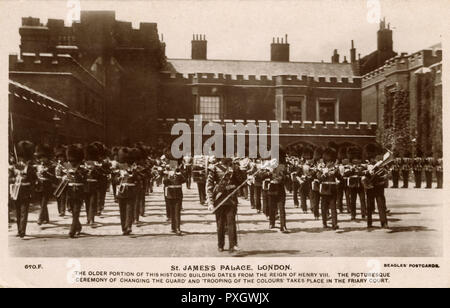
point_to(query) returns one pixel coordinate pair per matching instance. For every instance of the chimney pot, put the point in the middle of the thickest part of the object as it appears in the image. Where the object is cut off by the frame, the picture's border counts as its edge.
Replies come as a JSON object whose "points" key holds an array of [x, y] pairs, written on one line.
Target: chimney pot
{"points": [[286, 38]]}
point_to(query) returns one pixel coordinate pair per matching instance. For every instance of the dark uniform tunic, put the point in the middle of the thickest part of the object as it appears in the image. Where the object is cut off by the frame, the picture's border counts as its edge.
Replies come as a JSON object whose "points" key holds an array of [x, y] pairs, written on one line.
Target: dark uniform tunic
{"points": [[226, 214], [126, 195], [375, 192], [46, 179], [173, 193], [77, 177], [329, 178]]}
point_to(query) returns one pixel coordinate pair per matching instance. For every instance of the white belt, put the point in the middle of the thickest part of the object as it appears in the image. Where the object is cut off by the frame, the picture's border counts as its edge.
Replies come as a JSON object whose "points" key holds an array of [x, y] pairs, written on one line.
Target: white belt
{"points": [[174, 186], [128, 184], [75, 184], [25, 184], [329, 183], [91, 180]]}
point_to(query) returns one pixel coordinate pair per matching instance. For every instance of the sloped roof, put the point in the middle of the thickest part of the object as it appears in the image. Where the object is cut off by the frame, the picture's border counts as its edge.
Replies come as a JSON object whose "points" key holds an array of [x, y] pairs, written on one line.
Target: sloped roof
{"points": [[259, 68], [39, 94]]}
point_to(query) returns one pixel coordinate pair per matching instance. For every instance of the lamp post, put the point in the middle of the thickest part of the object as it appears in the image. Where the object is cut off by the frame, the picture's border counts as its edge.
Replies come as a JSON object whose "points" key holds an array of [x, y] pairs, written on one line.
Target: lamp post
{"points": [[56, 121]]}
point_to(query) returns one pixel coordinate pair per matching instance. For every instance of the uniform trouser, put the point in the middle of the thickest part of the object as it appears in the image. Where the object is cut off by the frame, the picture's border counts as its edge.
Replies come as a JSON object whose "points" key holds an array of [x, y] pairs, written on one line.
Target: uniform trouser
{"points": [[226, 219], [175, 212], [251, 189], [11, 207], [114, 188], [288, 184], [166, 201], [429, 178], [304, 192], [188, 178], [340, 197], [376, 194], [257, 199], [354, 193], [44, 197], [202, 192], [405, 176], [142, 205], [418, 178], [91, 205], [314, 197], [103, 187], [347, 199], [150, 185], [244, 192], [137, 210], [328, 203], [22, 207], [295, 191], [126, 207], [277, 204], [439, 178], [395, 178], [61, 202], [265, 202], [76, 209]]}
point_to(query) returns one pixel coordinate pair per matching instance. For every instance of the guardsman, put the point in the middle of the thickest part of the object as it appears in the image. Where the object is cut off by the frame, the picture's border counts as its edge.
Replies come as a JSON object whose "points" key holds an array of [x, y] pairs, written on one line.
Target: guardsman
{"points": [[258, 186], [395, 170], [341, 186], [104, 168], [418, 168], [406, 167], [136, 159], [305, 183], [221, 182], [251, 183], [277, 194], [329, 178], [265, 179], [91, 188], [199, 177], [173, 193], [428, 167], [354, 174], [188, 170], [24, 178], [76, 175], [375, 178], [439, 170], [11, 205], [45, 172], [60, 158], [295, 172], [114, 171], [242, 164], [315, 184], [126, 190]]}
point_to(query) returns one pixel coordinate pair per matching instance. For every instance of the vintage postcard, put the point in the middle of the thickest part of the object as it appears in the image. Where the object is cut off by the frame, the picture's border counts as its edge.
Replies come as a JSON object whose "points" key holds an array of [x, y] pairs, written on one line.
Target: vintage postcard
{"points": [[190, 144]]}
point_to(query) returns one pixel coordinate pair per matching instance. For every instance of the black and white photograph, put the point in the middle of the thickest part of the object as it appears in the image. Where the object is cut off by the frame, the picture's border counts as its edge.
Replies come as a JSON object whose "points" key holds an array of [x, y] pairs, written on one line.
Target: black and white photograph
{"points": [[225, 130]]}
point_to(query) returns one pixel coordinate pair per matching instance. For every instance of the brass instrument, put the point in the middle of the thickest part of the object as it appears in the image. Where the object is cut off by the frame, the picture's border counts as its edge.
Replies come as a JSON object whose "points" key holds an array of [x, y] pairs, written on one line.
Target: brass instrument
{"points": [[387, 159]]}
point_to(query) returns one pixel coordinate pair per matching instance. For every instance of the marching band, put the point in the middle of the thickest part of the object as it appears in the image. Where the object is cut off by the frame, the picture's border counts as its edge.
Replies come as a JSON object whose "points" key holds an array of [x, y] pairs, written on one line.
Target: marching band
{"points": [[328, 177]]}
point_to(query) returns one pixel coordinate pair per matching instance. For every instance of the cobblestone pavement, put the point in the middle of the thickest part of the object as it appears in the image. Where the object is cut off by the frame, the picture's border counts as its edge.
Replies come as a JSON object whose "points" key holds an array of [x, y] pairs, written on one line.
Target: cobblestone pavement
{"points": [[416, 227]]}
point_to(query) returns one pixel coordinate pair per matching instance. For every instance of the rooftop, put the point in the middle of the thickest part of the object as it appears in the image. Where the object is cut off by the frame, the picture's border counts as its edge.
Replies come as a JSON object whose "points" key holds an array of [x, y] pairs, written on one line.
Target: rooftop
{"points": [[259, 68]]}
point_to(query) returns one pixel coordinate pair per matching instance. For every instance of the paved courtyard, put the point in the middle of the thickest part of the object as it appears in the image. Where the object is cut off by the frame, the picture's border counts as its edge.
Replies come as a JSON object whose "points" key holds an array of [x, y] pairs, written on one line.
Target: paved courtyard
{"points": [[416, 227]]}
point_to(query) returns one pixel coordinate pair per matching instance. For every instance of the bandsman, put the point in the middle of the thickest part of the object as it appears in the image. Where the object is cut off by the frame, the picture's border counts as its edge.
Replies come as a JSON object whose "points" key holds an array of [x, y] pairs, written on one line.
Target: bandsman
{"points": [[199, 176], [395, 170], [329, 177], [277, 194], [354, 174], [60, 157], [91, 188], [315, 183], [173, 193], [45, 172], [439, 170], [24, 179]]}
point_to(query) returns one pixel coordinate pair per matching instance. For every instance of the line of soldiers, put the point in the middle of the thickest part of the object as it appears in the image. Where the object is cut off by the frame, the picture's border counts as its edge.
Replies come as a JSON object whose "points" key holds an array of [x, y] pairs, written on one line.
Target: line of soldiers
{"points": [[419, 166], [78, 175]]}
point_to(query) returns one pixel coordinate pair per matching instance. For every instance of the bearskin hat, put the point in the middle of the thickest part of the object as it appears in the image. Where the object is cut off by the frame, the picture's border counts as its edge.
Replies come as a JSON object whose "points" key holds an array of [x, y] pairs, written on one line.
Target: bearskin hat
{"points": [[91, 152], [354, 152], [59, 151], [329, 154], [123, 155], [370, 151], [101, 148], [25, 149], [74, 153], [43, 150], [307, 153], [342, 153], [135, 155], [317, 153]]}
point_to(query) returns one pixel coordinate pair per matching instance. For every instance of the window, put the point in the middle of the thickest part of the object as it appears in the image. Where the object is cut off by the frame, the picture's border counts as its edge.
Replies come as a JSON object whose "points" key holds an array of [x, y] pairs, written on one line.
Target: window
{"points": [[293, 109], [327, 110], [210, 107]]}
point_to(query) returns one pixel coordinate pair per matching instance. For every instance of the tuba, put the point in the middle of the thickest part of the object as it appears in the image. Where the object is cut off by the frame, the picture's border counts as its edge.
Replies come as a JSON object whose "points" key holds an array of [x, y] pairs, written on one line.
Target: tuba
{"points": [[378, 167]]}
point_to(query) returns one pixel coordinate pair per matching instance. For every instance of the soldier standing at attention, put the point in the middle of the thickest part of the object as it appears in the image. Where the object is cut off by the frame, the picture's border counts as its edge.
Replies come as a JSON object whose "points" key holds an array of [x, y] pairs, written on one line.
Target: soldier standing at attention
{"points": [[305, 184], [173, 193], [24, 177], [222, 180], [76, 175], [45, 172], [406, 167], [277, 194], [396, 166], [439, 170], [428, 166], [417, 169], [354, 174]]}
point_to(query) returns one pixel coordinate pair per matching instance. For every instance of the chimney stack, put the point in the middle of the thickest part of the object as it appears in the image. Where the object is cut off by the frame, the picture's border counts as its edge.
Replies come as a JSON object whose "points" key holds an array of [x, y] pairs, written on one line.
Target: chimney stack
{"points": [[353, 53], [199, 44], [279, 51], [335, 57]]}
